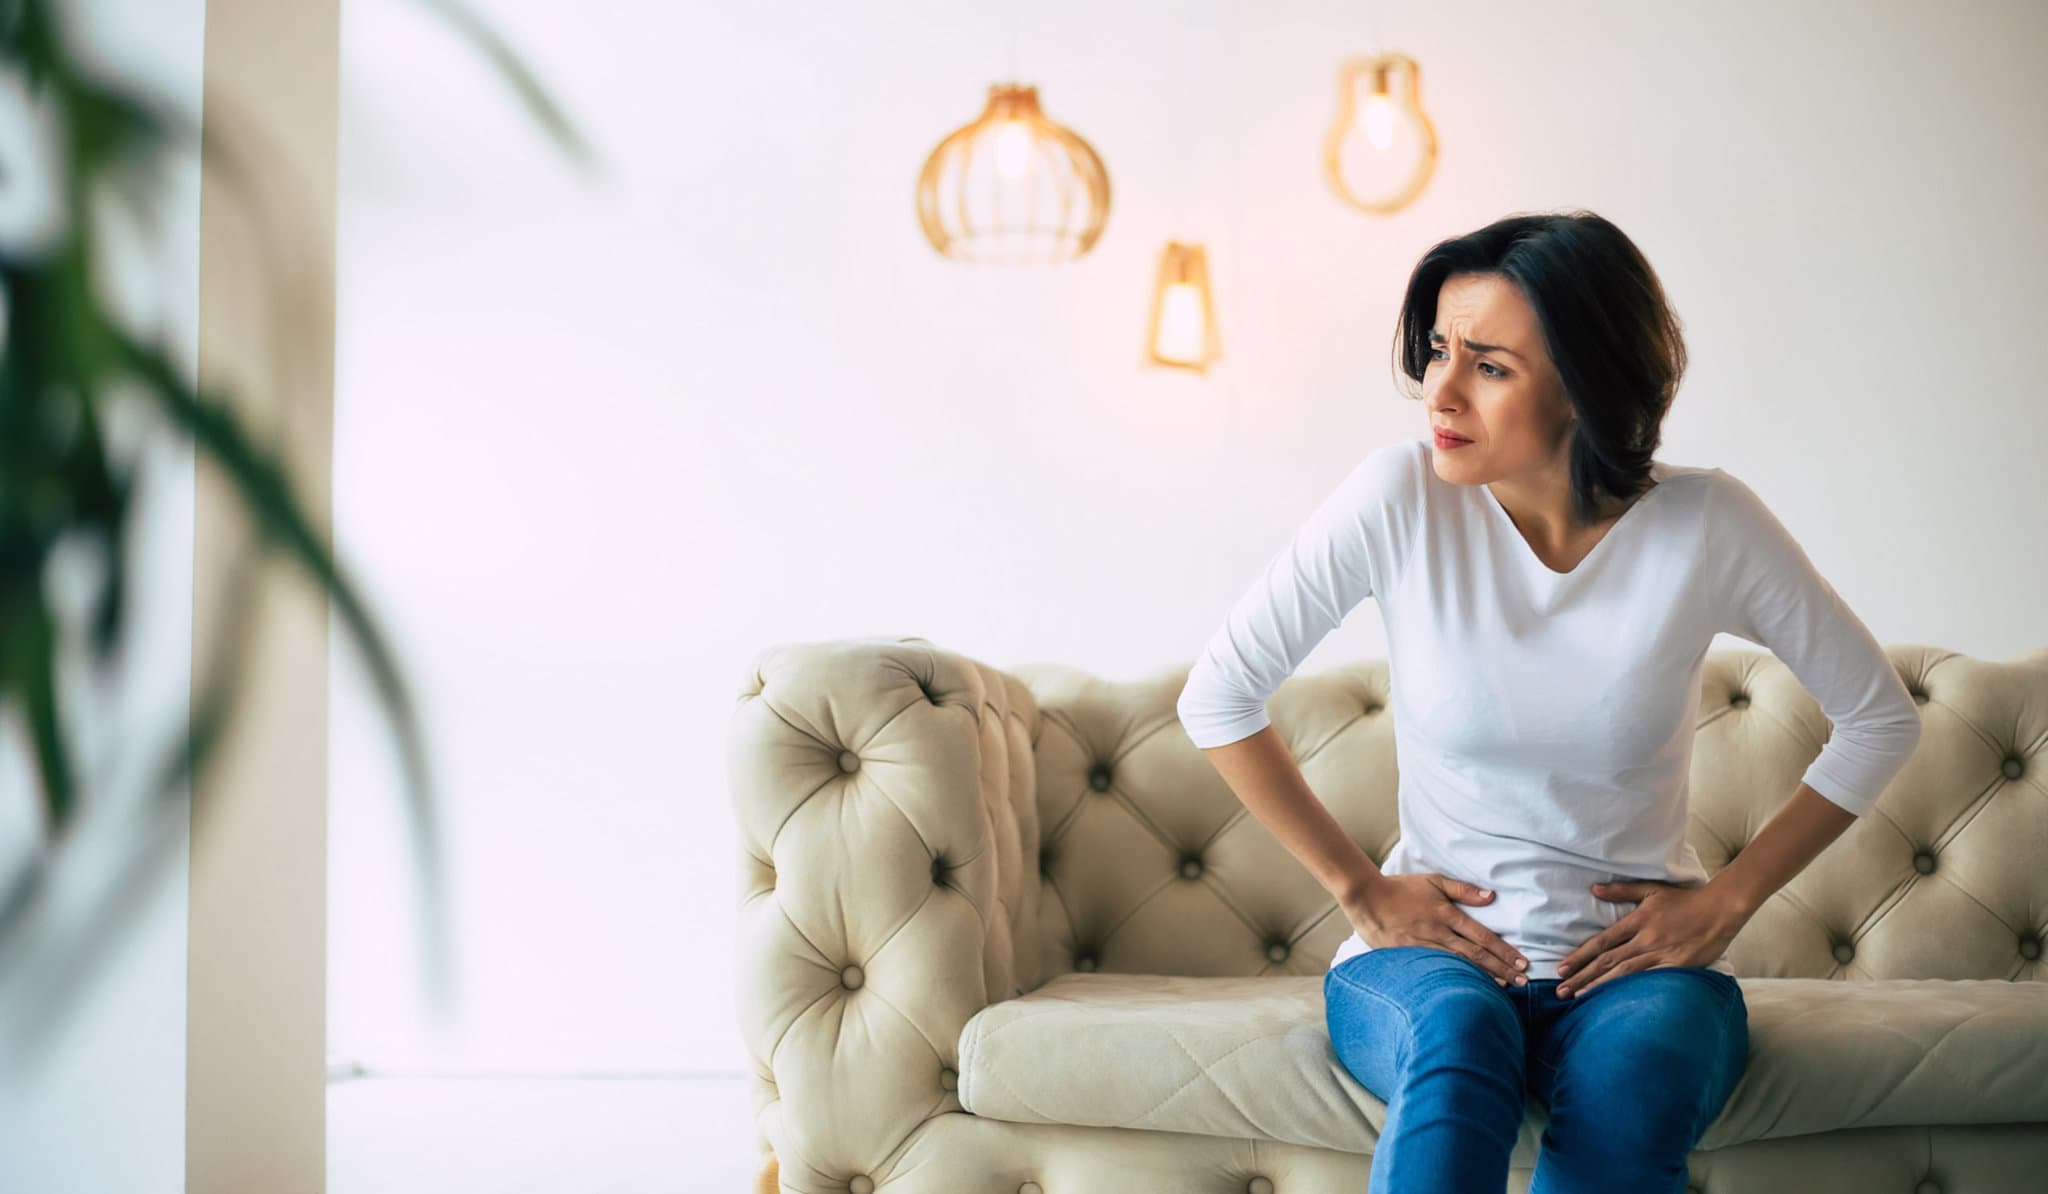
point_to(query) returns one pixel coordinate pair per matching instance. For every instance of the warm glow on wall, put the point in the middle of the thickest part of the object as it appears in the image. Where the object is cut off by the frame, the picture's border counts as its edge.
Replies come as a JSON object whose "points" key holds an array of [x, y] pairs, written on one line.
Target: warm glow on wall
{"points": [[1183, 329], [1013, 186], [1382, 148]]}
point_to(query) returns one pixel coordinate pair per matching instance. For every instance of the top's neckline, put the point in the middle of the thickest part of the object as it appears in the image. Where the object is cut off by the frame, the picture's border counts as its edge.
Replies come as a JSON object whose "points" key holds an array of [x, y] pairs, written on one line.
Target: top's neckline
{"points": [[1657, 472]]}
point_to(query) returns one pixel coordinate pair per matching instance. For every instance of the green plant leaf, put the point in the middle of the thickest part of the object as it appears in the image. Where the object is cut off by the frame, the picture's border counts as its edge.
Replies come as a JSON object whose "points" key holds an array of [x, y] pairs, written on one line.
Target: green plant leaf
{"points": [[281, 521], [538, 102]]}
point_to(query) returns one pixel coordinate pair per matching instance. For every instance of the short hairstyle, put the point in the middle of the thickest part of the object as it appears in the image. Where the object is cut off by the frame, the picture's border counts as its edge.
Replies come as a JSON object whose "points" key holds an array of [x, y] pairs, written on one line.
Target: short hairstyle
{"points": [[1607, 326]]}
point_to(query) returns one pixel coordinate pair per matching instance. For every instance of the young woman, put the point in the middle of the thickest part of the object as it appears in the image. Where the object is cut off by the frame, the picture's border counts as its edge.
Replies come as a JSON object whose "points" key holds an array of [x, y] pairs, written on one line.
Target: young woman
{"points": [[1549, 590]]}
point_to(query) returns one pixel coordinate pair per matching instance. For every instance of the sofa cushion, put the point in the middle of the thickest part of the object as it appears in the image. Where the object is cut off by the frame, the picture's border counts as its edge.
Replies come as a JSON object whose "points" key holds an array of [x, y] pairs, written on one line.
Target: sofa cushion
{"points": [[1251, 1058]]}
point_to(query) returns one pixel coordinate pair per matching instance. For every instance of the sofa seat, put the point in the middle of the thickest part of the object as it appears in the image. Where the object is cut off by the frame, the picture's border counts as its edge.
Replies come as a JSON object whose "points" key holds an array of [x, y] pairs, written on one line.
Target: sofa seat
{"points": [[1250, 1058]]}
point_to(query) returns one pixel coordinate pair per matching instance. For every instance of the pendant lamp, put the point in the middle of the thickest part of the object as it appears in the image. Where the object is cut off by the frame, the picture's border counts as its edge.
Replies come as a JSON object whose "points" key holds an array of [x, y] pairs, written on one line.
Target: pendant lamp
{"points": [[1382, 149], [1183, 331], [1012, 186]]}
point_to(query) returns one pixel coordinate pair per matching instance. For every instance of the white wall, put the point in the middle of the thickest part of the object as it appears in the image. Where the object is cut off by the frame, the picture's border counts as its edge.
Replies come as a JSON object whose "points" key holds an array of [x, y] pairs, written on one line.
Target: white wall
{"points": [[102, 1107], [599, 442]]}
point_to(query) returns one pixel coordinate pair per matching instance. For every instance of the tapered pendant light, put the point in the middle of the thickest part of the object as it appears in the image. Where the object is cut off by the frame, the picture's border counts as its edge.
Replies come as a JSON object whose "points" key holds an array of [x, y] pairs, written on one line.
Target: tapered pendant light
{"points": [[1012, 186], [1183, 331], [1382, 149]]}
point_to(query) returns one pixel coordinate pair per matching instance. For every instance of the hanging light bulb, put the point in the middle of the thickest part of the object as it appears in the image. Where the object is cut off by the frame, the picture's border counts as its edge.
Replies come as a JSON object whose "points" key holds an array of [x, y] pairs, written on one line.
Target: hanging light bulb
{"points": [[1183, 329], [1012, 186], [1382, 149]]}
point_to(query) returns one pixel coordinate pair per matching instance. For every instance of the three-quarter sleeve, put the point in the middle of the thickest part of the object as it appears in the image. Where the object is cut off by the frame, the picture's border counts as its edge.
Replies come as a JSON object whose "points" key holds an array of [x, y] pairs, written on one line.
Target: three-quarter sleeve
{"points": [[1344, 552], [1775, 597]]}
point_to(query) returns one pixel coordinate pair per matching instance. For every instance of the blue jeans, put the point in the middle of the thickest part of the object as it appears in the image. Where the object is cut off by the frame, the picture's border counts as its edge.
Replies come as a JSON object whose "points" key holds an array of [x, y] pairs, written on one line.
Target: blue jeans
{"points": [[1631, 1071]]}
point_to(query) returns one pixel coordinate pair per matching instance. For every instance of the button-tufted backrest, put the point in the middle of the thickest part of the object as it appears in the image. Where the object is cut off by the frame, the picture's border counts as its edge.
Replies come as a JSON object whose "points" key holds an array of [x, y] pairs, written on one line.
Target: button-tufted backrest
{"points": [[1148, 863]]}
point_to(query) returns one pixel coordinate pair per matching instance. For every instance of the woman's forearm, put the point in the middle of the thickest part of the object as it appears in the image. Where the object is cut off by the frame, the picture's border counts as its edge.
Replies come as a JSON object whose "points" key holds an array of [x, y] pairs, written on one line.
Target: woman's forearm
{"points": [[1781, 849], [1269, 783]]}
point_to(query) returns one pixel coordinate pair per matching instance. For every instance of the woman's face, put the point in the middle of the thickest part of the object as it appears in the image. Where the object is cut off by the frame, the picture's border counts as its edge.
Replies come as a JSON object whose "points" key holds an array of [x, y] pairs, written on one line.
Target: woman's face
{"points": [[1489, 380]]}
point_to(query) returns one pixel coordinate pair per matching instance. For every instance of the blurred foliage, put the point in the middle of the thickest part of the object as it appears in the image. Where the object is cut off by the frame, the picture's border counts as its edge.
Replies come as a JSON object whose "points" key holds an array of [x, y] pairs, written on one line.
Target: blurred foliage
{"points": [[64, 362]]}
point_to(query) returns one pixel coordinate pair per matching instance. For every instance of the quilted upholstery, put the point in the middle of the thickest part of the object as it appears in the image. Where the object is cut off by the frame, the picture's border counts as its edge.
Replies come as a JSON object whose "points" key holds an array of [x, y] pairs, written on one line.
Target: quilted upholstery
{"points": [[925, 836], [1250, 1057]]}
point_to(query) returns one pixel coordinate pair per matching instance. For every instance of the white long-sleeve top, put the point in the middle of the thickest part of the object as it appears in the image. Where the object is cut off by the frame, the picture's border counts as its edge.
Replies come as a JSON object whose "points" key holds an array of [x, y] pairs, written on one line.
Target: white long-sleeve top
{"points": [[1544, 721]]}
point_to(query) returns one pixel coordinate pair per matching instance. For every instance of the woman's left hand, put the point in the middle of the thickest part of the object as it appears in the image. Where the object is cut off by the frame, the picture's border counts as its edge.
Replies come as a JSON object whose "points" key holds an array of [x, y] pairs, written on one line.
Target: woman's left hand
{"points": [[1670, 926]]}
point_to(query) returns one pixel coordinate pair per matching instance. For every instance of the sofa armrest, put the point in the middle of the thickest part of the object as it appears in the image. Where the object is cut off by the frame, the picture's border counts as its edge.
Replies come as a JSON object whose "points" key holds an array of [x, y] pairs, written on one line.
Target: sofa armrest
{"points": [[885, 795]]}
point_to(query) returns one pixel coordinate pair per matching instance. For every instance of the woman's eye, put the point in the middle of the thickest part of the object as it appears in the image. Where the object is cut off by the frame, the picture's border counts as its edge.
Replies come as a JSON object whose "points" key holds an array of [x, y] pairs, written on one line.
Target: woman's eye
{"points": [[1497, 370]]}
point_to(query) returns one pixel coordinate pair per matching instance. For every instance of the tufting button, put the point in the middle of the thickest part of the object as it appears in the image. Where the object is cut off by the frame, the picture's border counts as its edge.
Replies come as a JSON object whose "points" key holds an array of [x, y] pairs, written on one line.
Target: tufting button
{"points": [[1844, 952], [1923, 862], [1099, 779], [860, 1183], [851, 977], [1085, 962], [2013, 767], [1371, 708], [1191, 868], [2030, 948], [1928, 1186], [1740, 700], [849, 761], [948, 1079], [1030, 1188], [1277, 952], [1919, 696], [1259, 1185]]}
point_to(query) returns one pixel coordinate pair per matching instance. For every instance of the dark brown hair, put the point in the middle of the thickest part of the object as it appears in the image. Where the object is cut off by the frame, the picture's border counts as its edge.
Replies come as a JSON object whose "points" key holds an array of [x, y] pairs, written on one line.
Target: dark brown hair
{"points": [[1607, 326]]}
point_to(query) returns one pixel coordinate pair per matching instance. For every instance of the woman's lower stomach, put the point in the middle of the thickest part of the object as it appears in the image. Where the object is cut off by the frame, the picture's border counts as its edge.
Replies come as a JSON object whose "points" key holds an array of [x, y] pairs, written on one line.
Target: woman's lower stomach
{"points": [[1543, 908]]}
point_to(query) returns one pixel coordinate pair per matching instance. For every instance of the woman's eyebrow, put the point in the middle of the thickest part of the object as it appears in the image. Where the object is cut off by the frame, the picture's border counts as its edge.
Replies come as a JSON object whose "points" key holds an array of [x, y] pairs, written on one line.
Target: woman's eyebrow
{"points": [[1436, 336]]}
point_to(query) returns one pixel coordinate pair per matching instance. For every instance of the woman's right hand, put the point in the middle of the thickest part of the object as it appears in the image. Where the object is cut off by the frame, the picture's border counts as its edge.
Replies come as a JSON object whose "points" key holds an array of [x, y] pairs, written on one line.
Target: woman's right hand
{"points": [[1423, 910]]}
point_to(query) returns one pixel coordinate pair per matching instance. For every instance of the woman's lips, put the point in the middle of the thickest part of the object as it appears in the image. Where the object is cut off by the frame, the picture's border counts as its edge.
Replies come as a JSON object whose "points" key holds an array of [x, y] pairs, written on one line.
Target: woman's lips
{"points": [[1446, 440]]}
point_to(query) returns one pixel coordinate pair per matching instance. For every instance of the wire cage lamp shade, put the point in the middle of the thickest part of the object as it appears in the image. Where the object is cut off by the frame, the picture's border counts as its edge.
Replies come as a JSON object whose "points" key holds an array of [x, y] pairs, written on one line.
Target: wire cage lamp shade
{"points": [[1012, 186]]}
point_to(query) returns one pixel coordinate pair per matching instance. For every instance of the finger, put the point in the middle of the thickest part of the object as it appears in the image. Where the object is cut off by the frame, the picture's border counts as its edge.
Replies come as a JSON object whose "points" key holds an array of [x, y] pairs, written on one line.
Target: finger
{"points": [[1466, 893], [1638, 962], [1495, 946], [1599, 943], [1601, 967], [1474, 942], [1472, 953], [1615, 945], [1591, 947]]}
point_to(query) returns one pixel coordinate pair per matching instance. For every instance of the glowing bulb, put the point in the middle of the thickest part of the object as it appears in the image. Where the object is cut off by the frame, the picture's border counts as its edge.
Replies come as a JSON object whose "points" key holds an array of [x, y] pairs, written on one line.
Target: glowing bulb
{"points": [[1379, 120], [1013, 149], [1180, 322]]}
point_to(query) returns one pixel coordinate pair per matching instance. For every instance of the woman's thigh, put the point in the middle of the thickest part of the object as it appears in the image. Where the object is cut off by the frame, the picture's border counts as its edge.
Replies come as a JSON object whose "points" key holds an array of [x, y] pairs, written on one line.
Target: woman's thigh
{"points": [[1388, 1004], [1659, 1049]]}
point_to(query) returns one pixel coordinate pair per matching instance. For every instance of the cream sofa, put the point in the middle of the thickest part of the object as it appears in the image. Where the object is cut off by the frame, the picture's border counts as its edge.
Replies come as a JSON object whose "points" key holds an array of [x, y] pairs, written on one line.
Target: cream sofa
{"points": [[1008, 932]]}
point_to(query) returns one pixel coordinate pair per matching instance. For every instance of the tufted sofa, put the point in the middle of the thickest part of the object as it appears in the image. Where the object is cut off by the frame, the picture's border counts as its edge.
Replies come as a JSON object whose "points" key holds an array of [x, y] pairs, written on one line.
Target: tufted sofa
{"points": [[1008, 932]]}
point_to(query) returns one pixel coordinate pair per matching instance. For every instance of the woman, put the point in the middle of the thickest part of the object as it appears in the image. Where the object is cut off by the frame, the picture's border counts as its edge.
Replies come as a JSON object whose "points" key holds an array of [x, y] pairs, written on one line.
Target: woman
{"points": [[1542, 927]]}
